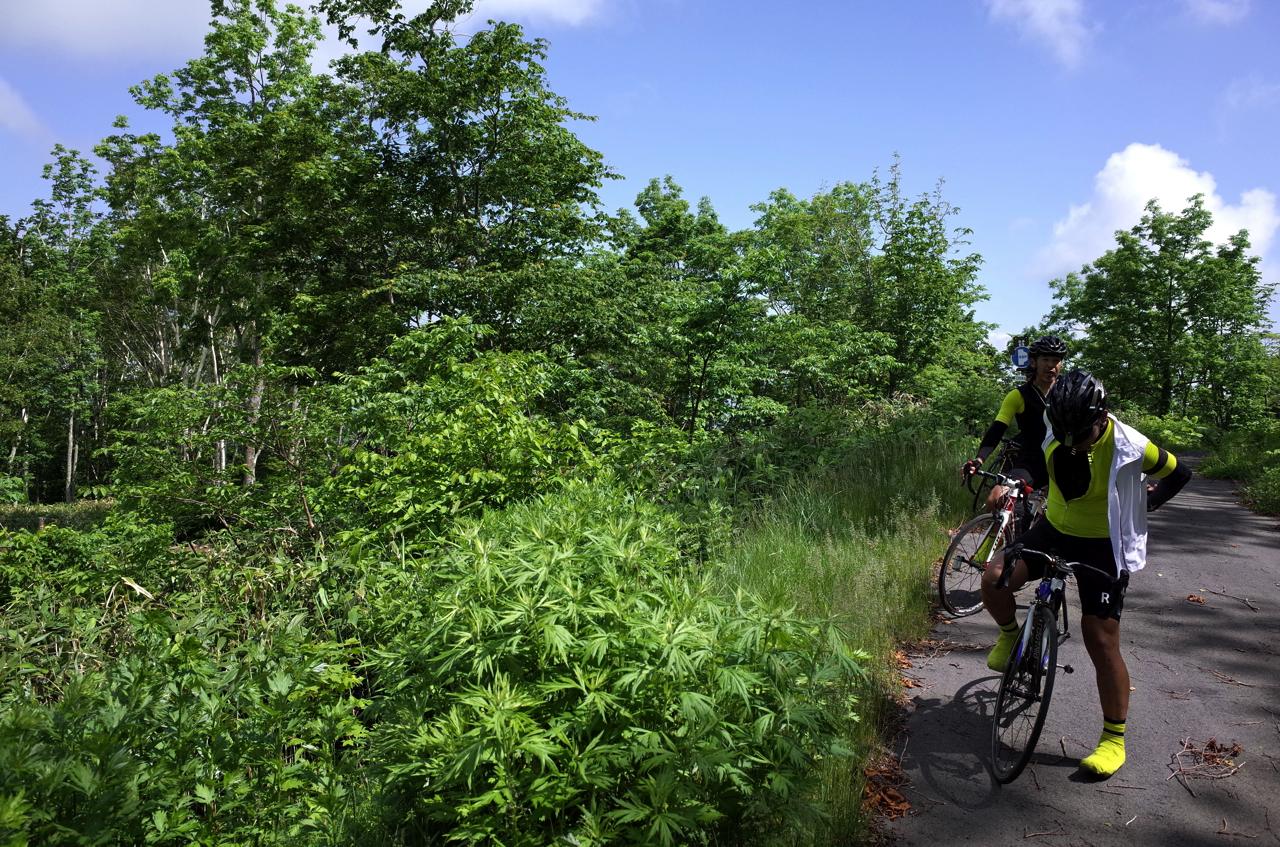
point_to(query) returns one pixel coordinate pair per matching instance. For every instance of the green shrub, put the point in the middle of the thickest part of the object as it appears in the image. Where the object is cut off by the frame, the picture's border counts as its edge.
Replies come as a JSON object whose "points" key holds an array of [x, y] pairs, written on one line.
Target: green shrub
{"points": [[1263, 493], [13, 490], [194, 737], [561, 675], [1244, 454], [434, 429], [1172, 432]]}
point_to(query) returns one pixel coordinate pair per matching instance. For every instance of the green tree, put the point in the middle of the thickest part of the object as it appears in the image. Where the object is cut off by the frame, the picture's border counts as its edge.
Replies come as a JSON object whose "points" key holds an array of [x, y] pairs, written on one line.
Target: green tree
{"points": [[1172, 322], [867, 287], [479, 177], [56, 386]]}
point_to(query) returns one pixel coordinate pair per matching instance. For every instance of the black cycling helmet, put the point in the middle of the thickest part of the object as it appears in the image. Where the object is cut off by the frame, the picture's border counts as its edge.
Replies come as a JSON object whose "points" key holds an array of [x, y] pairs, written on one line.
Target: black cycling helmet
{"points": [[1075, 403], [1049, 345]]}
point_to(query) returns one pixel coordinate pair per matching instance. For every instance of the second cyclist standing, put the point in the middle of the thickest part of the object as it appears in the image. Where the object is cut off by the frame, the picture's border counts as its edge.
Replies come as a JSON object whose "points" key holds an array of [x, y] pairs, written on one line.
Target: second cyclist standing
{"points": [[1025, 405]]}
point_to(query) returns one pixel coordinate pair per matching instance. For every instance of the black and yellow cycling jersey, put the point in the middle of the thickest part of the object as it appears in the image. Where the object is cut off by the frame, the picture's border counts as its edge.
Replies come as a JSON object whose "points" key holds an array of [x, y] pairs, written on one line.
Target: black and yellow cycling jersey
{"points": [[1078, 483], [1024, 404]]}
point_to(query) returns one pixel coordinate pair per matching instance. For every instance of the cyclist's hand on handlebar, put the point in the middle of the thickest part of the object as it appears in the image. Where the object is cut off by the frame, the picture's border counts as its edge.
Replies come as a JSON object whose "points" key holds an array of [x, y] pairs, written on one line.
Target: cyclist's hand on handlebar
{"points": [[971, 467]]}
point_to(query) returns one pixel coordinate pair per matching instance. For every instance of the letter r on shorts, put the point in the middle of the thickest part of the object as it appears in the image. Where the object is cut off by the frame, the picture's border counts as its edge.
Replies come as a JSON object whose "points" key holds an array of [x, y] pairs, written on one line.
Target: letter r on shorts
{"points": [[1106, 599]]}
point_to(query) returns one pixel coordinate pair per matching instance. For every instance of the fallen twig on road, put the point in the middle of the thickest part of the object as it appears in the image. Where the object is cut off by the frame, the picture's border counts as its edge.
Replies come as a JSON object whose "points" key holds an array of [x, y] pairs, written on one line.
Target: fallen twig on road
{"points": [[1058, 831], [1221, 677], [1224, 831], [1244, 600], [1213, 761]]}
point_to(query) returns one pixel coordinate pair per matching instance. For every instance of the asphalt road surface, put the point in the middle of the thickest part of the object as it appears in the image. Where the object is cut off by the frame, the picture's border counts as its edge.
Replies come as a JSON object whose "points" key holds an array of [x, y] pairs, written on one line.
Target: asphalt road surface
{"points": [[1200, 671]]}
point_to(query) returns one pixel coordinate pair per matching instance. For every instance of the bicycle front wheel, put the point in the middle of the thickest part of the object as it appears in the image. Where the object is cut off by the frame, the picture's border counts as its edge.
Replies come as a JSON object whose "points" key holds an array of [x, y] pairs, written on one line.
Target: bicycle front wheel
{"points": [[980, 491], [1025, 691], [960, 577]]}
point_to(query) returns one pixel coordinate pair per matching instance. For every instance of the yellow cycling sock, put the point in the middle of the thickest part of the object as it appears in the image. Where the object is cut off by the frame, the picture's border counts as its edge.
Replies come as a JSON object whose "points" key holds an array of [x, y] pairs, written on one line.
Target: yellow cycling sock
{"points": [[1109, 756], [999, 655]]}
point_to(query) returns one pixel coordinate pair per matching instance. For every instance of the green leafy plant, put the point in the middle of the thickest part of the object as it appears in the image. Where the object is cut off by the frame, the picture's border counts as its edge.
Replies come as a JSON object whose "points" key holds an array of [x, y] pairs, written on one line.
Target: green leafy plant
{"points": [[563, 676]]}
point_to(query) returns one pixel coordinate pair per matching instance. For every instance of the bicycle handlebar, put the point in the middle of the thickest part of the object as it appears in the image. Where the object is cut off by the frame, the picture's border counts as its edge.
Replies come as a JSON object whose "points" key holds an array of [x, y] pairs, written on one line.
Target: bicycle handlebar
{"points": [[1001, 479], [1017, 551]]}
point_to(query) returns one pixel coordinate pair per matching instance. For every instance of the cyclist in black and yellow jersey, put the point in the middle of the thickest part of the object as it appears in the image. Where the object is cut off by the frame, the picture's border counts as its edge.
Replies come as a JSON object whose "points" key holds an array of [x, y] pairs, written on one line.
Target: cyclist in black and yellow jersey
{"points": [[1100, 491], [1025, 405]]}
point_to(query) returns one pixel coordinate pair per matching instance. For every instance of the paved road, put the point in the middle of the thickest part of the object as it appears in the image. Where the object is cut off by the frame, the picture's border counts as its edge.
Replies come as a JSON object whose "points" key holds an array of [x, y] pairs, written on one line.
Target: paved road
{"points": [[1199, 671]]}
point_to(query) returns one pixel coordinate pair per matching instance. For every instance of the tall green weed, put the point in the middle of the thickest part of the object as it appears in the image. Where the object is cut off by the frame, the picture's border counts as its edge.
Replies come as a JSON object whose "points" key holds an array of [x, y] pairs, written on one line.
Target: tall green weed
{"points": [[575, 681], [856, 543]]}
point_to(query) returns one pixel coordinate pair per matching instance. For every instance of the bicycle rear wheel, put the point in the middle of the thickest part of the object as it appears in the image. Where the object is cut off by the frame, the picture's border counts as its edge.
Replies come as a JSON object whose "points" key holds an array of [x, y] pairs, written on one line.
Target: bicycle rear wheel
{"points": [[960, 577], [1023, 701]]}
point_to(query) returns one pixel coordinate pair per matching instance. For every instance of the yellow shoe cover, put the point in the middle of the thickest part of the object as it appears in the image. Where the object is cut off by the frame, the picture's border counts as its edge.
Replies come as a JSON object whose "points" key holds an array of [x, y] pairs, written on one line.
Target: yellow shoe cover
{"points": [[999, 655], [1108, 758]]}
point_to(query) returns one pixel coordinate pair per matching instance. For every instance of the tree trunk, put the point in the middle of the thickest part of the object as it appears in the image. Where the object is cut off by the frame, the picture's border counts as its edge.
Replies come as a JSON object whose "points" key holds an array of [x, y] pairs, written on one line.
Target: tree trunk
{"points": [[254, 407], [17, 441], [69, 488]]}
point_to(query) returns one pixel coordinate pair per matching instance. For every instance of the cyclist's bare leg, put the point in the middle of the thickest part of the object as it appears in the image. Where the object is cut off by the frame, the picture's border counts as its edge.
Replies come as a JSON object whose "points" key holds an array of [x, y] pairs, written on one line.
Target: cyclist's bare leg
{"points": [[994, 495], [1102, 640], [1002, 607], [1000, 604]]}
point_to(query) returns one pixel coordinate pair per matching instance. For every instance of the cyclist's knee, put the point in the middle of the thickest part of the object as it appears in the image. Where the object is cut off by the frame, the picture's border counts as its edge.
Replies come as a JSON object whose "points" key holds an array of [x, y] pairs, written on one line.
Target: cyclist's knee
{"points": [[992, 573], [1101, 635], [993, 497]]}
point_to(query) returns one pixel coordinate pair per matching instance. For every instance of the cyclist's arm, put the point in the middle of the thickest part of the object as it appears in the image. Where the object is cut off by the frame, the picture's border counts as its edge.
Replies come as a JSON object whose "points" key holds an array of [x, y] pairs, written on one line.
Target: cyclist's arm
{"points": [[1012, 405], [1161, 465]]}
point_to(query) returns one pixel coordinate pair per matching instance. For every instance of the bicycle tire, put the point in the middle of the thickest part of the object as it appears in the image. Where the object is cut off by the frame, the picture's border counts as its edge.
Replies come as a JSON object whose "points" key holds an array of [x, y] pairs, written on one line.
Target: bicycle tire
{"points": [[1023, 701], [960, 575], [980, 495]]}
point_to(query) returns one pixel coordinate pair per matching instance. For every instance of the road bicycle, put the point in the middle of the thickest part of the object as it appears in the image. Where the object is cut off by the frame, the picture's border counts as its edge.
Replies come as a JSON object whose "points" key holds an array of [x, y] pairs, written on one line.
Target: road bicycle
{"points": [[1002, 460], [974, 543], [1027, 684]]}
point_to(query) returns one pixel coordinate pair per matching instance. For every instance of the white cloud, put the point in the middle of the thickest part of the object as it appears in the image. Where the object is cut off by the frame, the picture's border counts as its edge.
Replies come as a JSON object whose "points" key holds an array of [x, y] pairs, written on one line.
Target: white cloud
{"points": [[1218, 11], [18, 117], [1059, 24], [570, 12], [999, 339], [175, 29], [1143, 172], [1251, 93], [94, 28]]}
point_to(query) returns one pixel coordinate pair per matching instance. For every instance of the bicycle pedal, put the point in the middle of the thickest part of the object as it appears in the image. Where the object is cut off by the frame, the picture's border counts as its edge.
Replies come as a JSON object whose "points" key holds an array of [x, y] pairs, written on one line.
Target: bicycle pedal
{"points": [[1067, 669]]}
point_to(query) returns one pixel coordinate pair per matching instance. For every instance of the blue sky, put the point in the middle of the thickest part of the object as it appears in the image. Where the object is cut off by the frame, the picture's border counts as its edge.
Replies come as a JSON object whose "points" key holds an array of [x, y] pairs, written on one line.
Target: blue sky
{"points": [[1051, 122]]}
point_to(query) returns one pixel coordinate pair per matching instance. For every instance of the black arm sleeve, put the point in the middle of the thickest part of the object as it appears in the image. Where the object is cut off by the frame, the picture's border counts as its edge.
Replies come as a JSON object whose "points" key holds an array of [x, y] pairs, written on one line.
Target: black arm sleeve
{"points": [[989, 441], [1167, 487]]}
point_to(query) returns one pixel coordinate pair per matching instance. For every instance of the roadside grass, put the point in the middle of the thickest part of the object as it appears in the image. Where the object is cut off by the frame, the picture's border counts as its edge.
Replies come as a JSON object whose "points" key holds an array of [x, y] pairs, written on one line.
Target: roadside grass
{"points": [[1251, 456], [857, 544]]}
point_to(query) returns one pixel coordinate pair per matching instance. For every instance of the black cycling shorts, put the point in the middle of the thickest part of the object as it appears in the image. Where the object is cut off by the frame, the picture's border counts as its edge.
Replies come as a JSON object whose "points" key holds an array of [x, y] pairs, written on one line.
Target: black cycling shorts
{"points": [[1099, 596]]}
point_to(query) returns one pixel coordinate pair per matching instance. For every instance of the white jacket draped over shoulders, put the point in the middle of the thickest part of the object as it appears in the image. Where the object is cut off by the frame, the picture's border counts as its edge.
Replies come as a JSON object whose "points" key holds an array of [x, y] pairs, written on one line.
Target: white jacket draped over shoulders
{"points": [[1126, 496]]}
